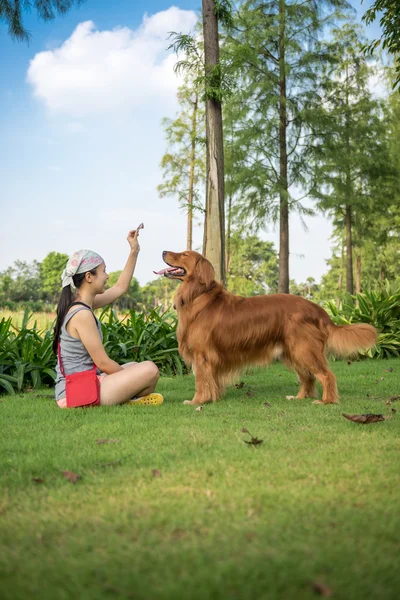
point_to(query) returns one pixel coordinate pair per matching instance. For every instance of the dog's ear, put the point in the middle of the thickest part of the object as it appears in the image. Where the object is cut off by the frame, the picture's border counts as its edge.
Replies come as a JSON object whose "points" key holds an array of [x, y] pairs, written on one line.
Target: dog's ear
{"points": [[204, 273], [200, 281]]}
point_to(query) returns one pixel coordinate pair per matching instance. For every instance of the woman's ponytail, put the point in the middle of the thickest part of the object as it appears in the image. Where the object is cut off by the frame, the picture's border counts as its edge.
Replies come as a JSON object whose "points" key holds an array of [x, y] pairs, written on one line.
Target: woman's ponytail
{"points": [[63, 305]]}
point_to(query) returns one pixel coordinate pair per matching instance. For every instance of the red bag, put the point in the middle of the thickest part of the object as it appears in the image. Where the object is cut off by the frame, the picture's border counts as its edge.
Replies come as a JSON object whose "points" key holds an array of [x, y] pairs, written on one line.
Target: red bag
{"points": [[82, 388]]}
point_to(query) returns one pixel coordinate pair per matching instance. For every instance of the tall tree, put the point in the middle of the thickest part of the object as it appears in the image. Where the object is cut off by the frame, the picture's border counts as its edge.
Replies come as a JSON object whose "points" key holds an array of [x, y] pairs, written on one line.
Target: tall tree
{"points": [[21, 282], [351, 151], [11, 11], [275, 52], [253, 267], [50, 273], [183, 165]]}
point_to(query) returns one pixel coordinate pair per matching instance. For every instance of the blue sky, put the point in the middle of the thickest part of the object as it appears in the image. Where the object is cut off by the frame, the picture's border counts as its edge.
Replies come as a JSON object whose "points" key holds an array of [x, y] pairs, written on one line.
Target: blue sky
{"points": [[80, 124]]}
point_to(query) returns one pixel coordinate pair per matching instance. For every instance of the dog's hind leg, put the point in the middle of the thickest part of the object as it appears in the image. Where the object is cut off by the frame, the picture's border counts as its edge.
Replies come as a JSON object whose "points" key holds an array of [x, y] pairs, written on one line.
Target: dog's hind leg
{"points": [[307, 389], [309, 357]]}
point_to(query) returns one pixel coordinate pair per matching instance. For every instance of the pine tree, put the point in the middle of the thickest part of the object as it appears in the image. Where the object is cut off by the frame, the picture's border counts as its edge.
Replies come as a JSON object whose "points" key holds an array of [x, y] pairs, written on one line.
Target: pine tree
{"points": [[275, 54], [351, 152]]}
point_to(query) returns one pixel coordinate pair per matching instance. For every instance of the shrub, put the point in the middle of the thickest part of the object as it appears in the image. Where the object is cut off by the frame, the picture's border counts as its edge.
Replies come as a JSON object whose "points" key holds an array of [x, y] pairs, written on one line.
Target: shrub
{"points": [[143, 336], [379, 308], [26, 357]]}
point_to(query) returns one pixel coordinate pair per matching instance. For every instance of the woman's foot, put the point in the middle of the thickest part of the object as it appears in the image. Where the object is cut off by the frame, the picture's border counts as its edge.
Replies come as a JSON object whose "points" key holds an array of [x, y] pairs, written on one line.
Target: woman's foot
{"points": [[153, 399]]}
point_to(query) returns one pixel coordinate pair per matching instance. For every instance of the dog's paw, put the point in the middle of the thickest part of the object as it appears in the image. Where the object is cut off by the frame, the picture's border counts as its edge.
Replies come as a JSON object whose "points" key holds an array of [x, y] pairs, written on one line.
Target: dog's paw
{"points": [[322, 402], [189, 402], [291, 398]]}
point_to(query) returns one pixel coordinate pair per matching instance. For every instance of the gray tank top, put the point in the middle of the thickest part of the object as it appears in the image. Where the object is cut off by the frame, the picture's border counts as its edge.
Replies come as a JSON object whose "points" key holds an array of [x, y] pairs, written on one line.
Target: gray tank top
{"points": [[74, 355]]}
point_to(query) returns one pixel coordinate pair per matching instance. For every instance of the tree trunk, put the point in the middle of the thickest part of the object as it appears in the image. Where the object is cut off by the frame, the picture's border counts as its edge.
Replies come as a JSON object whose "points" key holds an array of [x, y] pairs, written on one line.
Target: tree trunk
{"points": [[358, 272], [214, 223], [228, 235], [283, 284], [349, 242], [340, 282], [349, 253], [191, 175]]}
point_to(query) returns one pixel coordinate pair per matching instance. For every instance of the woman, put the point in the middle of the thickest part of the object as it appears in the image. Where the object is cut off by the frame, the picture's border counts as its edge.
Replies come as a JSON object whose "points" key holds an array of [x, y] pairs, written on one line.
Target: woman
{"points": [[78, 336]]}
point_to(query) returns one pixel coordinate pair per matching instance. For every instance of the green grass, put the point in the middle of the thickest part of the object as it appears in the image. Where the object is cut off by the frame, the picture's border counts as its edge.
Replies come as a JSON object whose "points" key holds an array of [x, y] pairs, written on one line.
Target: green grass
{"points": [[316, 502]]}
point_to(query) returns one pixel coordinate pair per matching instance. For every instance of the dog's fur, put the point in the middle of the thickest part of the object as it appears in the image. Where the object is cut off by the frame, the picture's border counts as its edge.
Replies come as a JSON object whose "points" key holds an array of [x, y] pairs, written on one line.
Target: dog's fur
{"points": [[219, 333]]}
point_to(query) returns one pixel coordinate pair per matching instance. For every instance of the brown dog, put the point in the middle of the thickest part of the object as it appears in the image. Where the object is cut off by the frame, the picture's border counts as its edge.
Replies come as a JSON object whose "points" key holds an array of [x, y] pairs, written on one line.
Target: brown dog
{"points": [[218, 333]]}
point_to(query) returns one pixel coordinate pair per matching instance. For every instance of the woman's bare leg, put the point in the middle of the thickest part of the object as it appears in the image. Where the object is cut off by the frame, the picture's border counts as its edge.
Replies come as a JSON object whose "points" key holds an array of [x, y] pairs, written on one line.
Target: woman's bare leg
{"points": [[136, 379]]}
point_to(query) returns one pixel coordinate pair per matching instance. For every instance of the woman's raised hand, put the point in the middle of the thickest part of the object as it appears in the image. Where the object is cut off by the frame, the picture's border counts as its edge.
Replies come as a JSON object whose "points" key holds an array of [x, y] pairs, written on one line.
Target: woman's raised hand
{"points": [[133, 238]]}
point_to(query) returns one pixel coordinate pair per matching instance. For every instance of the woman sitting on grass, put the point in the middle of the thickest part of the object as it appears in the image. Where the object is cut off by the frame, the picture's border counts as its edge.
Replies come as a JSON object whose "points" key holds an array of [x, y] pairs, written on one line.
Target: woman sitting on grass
{"points": [[78, 335]]}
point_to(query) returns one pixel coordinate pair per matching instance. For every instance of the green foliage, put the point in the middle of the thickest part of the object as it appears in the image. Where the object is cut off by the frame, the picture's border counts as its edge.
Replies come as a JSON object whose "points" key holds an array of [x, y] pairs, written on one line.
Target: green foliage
{"points": [[21, 282], [378, 308], [26, 357], [158, 293], [390, 24], [51, 269], [139, 337], [132, 298], [253, 266], [223, 11], [11, 13], [269, 51]]}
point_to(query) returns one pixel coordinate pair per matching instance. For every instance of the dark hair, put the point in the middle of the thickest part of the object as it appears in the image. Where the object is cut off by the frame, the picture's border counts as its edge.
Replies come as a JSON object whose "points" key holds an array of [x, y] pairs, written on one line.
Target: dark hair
{"points": [[64, 304]]}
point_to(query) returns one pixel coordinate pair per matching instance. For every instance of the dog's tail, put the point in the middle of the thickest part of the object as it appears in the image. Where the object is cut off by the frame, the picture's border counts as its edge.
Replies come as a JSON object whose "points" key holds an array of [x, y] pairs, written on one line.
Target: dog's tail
{"points": [[347, 340]]}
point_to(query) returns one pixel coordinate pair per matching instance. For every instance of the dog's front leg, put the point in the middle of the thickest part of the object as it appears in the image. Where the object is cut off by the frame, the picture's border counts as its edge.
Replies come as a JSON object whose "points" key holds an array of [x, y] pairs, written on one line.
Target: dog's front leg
{"points": [[205, 381]]}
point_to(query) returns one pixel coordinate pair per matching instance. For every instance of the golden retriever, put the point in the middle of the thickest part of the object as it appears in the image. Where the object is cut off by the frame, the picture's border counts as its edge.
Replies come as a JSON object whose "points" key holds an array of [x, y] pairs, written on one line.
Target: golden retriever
{"points": [[220, 333]]}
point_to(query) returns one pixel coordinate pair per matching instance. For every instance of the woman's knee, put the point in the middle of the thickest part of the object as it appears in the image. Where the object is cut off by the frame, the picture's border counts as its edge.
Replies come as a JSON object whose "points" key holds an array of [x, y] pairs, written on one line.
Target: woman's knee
{"points": [[152, 370]]}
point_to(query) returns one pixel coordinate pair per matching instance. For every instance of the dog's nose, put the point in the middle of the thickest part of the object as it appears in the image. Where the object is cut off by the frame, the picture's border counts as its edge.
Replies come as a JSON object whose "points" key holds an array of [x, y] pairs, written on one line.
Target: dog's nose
{"points": [[164, 253]]}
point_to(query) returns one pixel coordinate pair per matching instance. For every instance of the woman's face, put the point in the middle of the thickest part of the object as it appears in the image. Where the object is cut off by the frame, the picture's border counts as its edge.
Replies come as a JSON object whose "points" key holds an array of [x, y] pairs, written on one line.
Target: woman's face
{"points": [[101, 278]]}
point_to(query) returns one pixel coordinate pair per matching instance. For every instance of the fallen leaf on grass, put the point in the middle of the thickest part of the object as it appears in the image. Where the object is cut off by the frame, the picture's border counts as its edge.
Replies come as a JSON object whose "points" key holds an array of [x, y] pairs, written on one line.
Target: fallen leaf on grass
{"points": [[321, 589], [199, 409], [156, 473], [393, 399], [37, 480], [367, 418], [104, 441], [254, 441], [390, 370], [71, 476], [249, 394], [266, 404], [240, 385]]}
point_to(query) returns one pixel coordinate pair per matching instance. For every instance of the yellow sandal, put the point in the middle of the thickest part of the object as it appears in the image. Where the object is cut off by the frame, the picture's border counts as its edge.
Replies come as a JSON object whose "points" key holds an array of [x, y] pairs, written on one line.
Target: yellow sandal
{"points": [[149, 400]]}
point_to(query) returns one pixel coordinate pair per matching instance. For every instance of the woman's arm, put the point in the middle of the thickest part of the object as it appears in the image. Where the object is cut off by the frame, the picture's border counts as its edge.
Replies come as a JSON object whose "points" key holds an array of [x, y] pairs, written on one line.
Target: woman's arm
{"points": [[84, 326], [124, 280]]}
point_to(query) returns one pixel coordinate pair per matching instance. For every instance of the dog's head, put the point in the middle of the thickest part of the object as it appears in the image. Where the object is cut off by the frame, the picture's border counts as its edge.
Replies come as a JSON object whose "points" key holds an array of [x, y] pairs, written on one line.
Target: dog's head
{"points": [[195, 271], [187, 265]]}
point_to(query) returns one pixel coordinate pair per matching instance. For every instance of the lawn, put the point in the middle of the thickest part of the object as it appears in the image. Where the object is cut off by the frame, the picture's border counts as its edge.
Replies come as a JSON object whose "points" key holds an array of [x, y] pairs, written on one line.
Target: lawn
{"points": [[177, 505]]}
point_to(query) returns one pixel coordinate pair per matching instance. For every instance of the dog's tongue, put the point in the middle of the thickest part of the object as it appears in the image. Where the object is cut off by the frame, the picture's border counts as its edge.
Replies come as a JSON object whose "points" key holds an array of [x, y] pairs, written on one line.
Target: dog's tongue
{"points": [[163, 271]]}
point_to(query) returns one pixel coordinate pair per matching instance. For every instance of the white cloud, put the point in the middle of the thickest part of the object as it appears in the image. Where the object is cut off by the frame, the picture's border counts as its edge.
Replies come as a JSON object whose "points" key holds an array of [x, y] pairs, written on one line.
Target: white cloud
{"points": [[107, 71]]}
